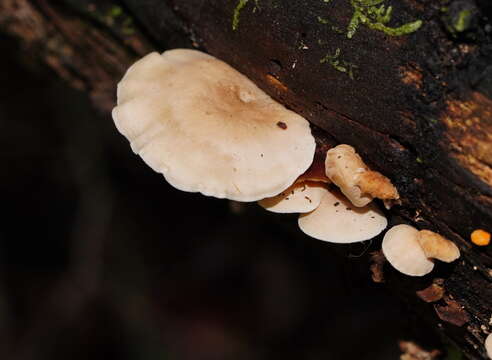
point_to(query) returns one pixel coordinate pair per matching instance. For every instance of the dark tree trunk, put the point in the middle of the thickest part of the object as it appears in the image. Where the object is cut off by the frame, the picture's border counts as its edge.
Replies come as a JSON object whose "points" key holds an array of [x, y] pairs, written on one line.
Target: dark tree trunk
{"points": [[416, 106]]}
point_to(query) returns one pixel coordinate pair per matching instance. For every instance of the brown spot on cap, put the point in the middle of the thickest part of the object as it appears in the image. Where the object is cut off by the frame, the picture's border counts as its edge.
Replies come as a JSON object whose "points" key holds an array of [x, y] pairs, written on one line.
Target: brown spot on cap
{"points": [[282, 125]]}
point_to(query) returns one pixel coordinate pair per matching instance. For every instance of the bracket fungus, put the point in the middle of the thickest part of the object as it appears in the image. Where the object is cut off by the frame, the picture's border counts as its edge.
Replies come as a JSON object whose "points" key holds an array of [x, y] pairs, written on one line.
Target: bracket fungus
{"points": [[359, 184], [302, 197], [336, 220], [437, 247], [411, 251], [403, 251], [207, 128]]}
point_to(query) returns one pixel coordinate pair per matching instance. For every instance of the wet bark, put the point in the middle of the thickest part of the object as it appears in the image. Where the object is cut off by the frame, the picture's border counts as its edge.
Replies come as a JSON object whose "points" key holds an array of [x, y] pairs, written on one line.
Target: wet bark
{"points": [[416, 106]]}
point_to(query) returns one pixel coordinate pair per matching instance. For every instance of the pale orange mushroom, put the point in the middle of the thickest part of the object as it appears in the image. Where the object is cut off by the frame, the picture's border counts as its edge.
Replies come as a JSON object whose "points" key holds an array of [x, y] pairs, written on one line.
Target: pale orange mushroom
{"points": [[480, 237]]}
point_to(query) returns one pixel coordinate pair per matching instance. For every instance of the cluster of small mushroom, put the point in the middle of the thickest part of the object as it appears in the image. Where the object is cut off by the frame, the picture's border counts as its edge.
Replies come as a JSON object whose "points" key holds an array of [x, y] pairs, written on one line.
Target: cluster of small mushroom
{"points": [[207, 128], [412, 252], [339, 215]]}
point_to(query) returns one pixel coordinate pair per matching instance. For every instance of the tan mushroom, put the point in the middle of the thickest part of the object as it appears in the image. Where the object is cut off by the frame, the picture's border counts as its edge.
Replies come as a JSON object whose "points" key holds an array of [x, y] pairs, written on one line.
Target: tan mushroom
{"points": [[347, 170], [302, 197], [403, 251], [488, 345], [437, 247], [209, 129], [336, 220]]}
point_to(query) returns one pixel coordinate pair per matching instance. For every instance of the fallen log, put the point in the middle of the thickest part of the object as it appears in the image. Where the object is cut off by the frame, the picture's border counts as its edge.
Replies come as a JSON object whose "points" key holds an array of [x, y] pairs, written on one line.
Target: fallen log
{"points": [[410, 87]]}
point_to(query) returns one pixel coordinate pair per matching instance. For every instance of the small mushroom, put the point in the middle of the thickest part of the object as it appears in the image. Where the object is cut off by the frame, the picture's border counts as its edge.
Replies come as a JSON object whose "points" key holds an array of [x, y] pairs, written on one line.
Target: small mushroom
{"points": [[437, 247], [403, 251], [207, 128], [480, 237], [488, 345], [336, 220], [302, 197], [342, 166], [347, 170]]}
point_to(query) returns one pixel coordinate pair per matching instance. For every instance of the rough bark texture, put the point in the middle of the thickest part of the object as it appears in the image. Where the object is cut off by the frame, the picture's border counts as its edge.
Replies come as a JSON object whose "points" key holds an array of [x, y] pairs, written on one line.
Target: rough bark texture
{"points": [[417, 107]]}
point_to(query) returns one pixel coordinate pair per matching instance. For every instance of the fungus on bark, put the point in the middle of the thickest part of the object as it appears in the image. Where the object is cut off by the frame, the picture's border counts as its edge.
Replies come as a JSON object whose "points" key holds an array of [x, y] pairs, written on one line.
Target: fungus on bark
{"points": [[437, 247], [302, 197], [480, 237], [403, 251], [207, 128], [336, 220], [360, 184], [411, 251]]}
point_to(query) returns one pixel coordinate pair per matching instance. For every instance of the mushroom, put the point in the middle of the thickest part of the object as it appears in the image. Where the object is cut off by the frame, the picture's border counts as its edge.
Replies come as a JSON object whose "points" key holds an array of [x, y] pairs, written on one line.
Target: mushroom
{"points": [[302, 197], [480, 237], [336, 220], [437, 247], [488, 345], [209, 129], [403, 251], [347, 170]]}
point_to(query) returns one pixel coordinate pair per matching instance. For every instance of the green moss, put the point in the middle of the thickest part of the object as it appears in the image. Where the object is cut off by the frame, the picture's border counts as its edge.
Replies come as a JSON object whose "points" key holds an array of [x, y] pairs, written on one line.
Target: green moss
{"points": [[115, 11], [332, 26], [127, 27], [375, 15], [237, 12], [339, 64], [399, 31], [462, 21]]}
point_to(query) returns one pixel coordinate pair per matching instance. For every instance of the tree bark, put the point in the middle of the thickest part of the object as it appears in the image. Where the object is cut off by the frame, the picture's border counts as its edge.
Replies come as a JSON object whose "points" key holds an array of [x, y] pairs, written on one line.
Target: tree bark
{"points": [[417, 106]]}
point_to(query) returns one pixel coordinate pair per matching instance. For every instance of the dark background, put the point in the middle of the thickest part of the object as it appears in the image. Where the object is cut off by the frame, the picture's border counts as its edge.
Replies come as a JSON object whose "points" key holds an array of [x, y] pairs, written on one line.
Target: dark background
{"points": [[101, 259]]}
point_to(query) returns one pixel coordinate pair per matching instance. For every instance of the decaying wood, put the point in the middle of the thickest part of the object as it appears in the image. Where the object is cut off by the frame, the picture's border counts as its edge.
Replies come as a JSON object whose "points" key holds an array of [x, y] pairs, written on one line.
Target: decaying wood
{"points": [[417, 107]]}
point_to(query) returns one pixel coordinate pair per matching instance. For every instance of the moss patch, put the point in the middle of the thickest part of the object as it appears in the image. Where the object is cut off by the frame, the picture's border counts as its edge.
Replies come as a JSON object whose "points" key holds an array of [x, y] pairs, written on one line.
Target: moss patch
{"points": [[237, 12], [339, 64], [375, 15]]}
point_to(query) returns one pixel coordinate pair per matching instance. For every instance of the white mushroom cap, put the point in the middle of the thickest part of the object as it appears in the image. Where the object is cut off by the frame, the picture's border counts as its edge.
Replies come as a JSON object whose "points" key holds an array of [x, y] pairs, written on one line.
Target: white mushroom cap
{"points": [[336, 220], [403, 251], [488, 345], [302, 197], [208, 128]]}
